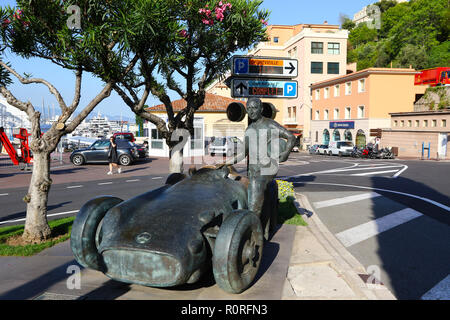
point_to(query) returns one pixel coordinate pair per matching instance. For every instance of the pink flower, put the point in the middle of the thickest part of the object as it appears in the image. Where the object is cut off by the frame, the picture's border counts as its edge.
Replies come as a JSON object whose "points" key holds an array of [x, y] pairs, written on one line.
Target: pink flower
{"points": [[184, 34], [264, 22], [5, 23]]}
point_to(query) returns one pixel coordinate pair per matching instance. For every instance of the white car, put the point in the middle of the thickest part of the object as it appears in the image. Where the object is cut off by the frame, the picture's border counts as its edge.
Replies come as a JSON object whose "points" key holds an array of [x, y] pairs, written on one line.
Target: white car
{"points": [[322, 149], [340, 148], [225, 146]]}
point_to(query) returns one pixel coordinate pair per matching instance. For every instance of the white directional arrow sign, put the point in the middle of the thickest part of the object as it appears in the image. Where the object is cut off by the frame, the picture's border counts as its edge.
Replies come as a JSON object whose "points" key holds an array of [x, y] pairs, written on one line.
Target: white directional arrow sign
{"points": [[265, 67]]}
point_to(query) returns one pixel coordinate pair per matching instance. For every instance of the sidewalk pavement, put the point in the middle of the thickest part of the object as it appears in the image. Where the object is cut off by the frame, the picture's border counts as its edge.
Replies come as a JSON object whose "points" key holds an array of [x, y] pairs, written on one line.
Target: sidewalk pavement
{"points": [[322, 269], [299, 263]]}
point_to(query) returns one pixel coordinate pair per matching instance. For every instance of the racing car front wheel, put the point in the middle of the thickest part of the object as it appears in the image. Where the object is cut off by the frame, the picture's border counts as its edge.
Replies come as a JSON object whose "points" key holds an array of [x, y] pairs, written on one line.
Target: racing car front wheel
{"points": [[238, 251], [85, 233]]}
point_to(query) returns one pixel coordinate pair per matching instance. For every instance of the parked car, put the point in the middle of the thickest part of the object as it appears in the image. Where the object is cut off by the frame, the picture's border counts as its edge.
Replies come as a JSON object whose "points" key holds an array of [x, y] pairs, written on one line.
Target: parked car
{"points": [[225, 146], [322, 149], [127, 153], [141, 150], [340, 148], [173, 235], [313, 149], [124, 135]]}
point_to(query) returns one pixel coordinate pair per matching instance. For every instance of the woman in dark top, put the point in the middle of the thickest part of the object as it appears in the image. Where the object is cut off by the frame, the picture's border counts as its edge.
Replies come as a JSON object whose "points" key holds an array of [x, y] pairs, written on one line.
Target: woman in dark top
{"points": [[112, 156]]}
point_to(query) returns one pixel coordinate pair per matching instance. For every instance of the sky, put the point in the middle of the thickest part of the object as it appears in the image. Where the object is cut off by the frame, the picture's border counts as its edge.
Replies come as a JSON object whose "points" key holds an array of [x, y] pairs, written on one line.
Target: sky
{"points": [[284, 12]]}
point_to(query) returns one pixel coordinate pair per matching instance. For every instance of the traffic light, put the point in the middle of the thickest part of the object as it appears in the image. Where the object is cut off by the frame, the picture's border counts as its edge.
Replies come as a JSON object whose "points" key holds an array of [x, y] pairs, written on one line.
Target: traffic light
{"points": [[236, 111]]}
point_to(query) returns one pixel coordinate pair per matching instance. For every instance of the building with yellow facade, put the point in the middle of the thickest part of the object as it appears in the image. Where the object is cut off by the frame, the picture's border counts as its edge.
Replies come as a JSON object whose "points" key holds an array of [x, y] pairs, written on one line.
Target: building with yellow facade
{"points": [[348, 107], [321, 51]]}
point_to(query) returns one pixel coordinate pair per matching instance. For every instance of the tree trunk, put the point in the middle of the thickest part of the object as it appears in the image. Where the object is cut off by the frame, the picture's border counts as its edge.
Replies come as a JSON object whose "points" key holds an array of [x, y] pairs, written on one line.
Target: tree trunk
{"points": [[36, 225], [176, 160]]}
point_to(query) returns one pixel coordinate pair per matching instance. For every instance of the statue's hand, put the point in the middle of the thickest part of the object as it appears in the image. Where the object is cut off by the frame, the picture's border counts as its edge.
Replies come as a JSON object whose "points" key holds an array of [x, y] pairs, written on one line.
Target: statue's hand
{"points": [[284, 156]]}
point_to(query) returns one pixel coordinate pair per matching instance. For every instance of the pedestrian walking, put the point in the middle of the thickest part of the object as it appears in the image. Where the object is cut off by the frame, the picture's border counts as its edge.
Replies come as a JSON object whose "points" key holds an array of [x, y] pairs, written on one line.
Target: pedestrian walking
{"points": [[112, 156]]}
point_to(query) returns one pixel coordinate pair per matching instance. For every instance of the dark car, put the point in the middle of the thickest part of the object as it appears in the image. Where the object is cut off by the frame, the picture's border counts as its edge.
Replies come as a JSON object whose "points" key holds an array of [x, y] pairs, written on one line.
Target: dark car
{"points": [[168, 236], [127, 153], [124, 135], [141, 150]]}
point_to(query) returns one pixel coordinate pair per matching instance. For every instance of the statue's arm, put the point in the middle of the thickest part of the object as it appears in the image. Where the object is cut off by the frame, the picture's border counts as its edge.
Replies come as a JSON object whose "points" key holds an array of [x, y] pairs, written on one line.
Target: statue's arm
{"points": [[285, 134]]}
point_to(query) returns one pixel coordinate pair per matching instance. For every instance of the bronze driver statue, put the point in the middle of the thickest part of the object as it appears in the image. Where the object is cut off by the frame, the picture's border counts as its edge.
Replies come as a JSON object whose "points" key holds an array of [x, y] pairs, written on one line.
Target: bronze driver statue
{"points": [[266, 144]]}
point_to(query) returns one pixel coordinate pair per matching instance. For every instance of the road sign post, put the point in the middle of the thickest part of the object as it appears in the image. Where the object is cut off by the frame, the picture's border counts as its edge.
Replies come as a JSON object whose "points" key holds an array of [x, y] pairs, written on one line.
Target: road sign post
{"points": [[264, 77]]}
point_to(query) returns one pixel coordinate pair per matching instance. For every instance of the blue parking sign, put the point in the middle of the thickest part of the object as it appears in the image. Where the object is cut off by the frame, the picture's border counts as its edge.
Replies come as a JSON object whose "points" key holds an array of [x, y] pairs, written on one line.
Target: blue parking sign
{"points": [[290, 89], [241, 66]]}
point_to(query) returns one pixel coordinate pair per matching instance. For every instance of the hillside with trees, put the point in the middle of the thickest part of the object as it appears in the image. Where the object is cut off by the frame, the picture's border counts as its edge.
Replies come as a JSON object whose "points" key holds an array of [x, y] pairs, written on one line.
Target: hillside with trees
{"points": [[414, 33]]}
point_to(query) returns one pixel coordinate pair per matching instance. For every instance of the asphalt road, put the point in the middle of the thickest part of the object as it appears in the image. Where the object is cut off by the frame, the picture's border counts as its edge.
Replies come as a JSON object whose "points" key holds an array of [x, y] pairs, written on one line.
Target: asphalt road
{"points": [[393, 216]]}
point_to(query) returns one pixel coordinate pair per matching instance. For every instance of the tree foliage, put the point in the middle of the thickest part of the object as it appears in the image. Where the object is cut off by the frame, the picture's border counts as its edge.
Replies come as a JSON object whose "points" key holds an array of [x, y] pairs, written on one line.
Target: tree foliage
{"points": [[414, 33]]}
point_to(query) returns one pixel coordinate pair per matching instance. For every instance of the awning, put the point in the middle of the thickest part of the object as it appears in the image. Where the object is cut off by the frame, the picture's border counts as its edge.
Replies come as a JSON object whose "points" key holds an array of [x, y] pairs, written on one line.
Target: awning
{"points": [[295, 132]]}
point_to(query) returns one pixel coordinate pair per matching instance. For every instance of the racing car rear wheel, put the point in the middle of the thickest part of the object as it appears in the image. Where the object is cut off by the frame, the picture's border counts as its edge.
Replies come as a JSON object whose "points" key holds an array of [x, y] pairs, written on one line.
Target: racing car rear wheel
{"points": [[238, 251], [85, 234]]}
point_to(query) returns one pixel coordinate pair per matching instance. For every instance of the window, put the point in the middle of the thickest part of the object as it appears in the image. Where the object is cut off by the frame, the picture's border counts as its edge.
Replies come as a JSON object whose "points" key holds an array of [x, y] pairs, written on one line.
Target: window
{"points": [[294, 112], [317, 47], [402, 123], [334, 48], [395, 123], [289, 113], [409, 123], [317, 136], [325, 115], [157, 141], [317, 115], [326, 93], [348, 88], [336, 90], [317, 67], [361, 112], [317, 94], [348, 113], [434, 123], [336, 113], [444, 123], [417, 123], [333, 67], [197, 138], [425, 123], [102, 144], [362, 85], [275, 39]]}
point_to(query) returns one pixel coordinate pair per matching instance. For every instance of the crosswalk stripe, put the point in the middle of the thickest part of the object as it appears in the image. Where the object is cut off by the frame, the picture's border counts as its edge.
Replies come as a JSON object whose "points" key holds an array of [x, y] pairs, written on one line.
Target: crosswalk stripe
{"points": [[441, 291], [370, 229], [365, 168], [338, 201], [370, 173]]}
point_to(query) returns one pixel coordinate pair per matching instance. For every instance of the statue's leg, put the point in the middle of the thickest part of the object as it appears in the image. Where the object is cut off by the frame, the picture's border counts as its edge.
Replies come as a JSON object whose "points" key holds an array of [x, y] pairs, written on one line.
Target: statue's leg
{"points": [[256, 190]]}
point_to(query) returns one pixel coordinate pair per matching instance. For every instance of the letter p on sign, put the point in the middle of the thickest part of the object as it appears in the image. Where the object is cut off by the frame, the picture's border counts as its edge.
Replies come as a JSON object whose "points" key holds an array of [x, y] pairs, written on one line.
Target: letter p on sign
{"points": [[290, 89]]}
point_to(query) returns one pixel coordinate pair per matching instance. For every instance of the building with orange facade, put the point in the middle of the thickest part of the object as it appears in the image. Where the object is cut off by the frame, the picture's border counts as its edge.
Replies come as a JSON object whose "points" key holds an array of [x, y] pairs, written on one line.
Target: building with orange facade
{"points": [[348, 107], [321, 50]]}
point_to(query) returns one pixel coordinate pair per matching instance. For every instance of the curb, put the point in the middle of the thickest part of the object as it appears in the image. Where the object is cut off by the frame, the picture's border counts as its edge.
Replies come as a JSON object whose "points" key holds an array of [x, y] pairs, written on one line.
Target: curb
{"points": [[351, 270]]}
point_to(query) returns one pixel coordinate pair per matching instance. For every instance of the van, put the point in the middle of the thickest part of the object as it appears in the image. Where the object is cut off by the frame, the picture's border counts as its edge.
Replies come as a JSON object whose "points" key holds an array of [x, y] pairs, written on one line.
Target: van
{"points": [[225, 145], [340, 148]]}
